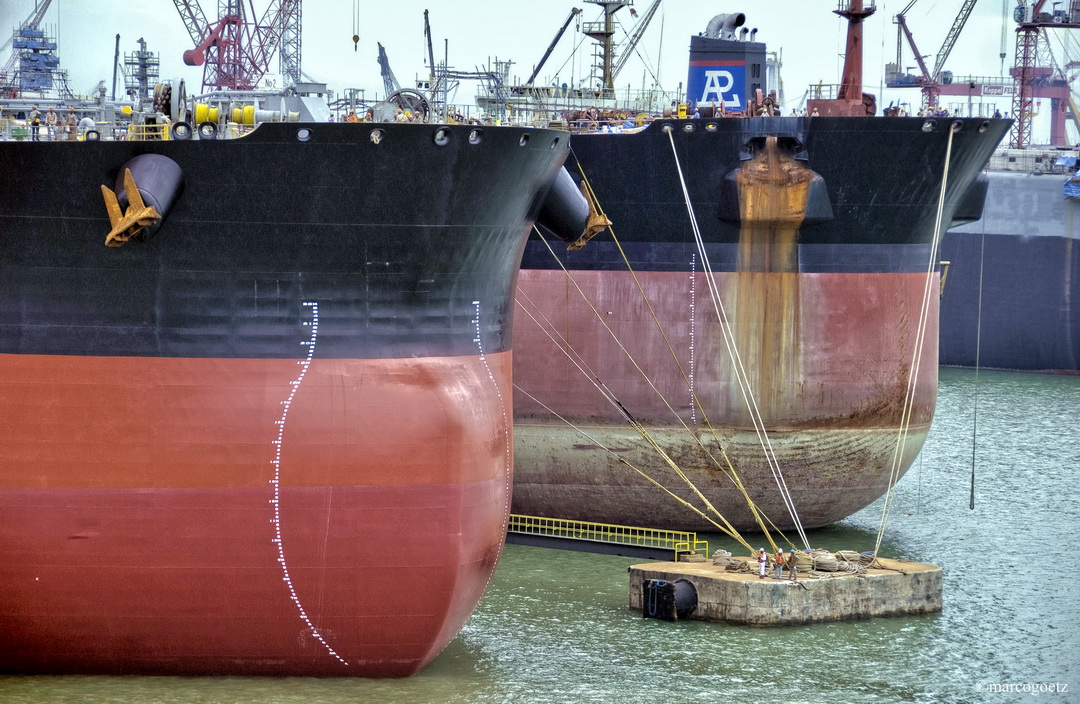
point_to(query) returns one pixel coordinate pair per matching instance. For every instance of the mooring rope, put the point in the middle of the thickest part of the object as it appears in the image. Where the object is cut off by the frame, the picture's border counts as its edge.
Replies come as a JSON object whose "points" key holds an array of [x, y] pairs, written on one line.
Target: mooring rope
{"points": [[635, 424], [920, 339], [758, 516], [978, 350], [725, 528], [729, 341], [567, 349]]}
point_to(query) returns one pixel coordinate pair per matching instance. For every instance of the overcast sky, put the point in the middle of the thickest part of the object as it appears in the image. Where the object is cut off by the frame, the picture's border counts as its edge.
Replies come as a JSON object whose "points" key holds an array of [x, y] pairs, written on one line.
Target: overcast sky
{"points": [[807, 33]]}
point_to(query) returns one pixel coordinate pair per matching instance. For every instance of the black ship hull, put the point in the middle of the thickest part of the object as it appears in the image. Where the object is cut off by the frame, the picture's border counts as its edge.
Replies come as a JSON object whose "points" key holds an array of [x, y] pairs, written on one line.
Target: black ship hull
{"points": [[272, 436], [821, 274]]}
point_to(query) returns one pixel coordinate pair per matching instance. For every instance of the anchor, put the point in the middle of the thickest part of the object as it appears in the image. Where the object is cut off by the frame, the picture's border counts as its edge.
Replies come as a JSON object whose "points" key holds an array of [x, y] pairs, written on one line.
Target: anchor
{"points": [[129, 223]]}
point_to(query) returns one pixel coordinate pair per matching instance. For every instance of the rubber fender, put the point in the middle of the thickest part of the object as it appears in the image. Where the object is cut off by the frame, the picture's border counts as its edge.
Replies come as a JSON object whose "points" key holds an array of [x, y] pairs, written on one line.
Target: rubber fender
{"points": [[970, 207], [92, 136], [160, 181], [565, 212], [180, 131], [207, 130], [818, 206], [685, 598]]}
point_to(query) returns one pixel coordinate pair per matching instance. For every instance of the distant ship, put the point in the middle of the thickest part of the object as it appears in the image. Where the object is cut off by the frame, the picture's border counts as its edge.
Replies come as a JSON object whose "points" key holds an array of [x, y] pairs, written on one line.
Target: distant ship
{"points": [[268, 430], [817, 236], [1011, 295]]}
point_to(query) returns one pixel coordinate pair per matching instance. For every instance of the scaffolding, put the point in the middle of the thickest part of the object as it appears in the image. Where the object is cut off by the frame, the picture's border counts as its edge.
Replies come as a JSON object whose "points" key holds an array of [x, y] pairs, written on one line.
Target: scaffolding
{"points": [[141, 72], [36, 66]]}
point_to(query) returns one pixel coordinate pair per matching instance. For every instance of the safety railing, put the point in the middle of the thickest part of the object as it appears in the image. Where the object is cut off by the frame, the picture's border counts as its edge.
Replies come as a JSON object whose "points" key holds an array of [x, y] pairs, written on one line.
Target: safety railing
{"points": [[679, 542], [146, 132]]}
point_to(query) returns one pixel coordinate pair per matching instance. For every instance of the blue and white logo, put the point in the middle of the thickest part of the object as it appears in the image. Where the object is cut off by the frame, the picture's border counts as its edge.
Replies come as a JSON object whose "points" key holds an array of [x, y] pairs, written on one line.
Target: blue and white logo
{"points": [[714, 81]]}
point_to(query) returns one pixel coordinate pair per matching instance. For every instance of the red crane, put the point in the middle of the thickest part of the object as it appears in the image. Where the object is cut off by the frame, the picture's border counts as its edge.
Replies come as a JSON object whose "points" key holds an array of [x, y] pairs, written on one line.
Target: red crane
{"points": [[930, 82], [1030, 77], [235, 50]]}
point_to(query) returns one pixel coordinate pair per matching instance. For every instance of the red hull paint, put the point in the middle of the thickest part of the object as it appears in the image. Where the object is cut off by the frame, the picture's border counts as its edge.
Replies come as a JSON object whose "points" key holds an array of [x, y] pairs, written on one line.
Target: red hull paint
{"points": [[138, 529], [828, 357]]}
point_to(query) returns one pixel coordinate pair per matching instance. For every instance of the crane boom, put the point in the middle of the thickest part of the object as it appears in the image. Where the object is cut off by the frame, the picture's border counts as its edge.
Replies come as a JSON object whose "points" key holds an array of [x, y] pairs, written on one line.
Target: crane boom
{"points": [[574, 12], [950, 38], [635, 37], [390, 82], [194, 19], [236, 51], [289, 49], [914, 49], [265, 37], [430, 51]]}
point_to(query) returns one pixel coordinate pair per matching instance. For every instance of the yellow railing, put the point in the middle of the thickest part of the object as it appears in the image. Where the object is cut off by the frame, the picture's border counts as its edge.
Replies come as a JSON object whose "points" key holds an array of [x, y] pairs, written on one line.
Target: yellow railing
{"points": [[147, 132], [679, 542]]}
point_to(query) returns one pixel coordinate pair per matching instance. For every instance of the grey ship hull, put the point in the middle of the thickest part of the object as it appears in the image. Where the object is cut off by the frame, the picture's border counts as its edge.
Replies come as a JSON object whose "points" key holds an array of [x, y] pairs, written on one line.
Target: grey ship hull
{"points": [[1013, 283]]}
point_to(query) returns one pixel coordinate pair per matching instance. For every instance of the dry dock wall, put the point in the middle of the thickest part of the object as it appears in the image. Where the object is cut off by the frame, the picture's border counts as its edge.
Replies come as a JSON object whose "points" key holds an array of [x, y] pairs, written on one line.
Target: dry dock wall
{"points": [[900, 588]]}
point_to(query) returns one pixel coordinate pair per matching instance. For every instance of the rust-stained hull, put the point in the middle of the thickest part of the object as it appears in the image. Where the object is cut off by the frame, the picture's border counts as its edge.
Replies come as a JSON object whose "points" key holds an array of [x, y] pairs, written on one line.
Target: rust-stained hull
{"points": [[832, 414], [273, 437], [820, 256]]}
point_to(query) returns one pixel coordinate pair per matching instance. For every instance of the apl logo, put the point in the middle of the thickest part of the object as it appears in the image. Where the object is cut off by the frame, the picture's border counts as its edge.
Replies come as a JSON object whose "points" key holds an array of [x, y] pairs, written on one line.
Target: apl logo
{"points": [[715, 81]]}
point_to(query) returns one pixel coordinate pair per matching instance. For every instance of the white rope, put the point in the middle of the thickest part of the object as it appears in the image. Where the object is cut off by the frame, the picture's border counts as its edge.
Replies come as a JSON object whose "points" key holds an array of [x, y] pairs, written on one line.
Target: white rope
{"points": [[566, 348], [729, 342], [916, 359]]}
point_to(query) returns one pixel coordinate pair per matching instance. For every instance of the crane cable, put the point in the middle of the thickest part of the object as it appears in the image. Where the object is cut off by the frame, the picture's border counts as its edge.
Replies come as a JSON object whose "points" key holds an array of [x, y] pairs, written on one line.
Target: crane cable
{"points": [[920, 340], [733, 352]]}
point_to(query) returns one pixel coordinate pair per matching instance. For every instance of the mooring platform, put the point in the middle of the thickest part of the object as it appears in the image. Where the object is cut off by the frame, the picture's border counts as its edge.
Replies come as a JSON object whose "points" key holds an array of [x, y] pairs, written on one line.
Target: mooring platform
{"points": [[702, 591]]}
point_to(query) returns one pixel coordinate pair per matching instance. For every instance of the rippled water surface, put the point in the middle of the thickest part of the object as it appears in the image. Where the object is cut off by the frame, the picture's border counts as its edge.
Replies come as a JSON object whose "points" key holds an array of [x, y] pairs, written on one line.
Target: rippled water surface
{"points": [[554, 625]]}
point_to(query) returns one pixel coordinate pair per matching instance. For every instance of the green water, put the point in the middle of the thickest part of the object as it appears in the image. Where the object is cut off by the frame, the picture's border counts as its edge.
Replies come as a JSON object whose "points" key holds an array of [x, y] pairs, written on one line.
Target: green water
{"points": [[554, 626]]}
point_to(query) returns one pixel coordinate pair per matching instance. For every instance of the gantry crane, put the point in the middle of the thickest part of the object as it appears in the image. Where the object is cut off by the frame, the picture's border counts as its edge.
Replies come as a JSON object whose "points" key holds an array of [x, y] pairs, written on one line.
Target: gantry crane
{"points": [[235, 50], [1031, 20]]}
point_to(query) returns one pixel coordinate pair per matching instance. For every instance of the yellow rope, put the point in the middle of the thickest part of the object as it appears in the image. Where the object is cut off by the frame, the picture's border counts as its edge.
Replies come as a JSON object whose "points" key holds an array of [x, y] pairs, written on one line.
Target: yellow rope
{"points": [[727, 529], [730, 471], [649, 381]]}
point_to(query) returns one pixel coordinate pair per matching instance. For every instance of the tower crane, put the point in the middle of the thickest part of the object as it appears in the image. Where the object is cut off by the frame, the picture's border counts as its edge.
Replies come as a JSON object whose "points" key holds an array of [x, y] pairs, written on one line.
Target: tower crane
{"points": [[235, 50], [7, 73]]}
